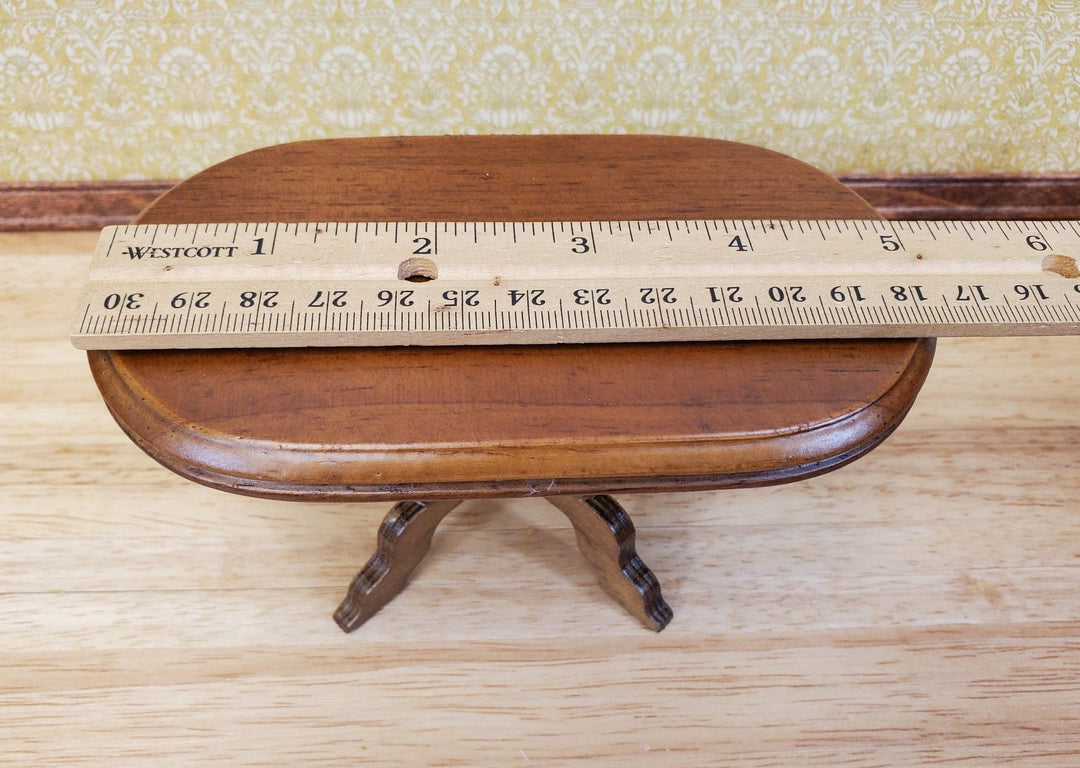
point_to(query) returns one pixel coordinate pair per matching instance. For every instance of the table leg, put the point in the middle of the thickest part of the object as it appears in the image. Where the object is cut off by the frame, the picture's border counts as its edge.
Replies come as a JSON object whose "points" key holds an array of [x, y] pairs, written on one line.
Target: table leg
{"points": [[403, 539], [605, 536]]}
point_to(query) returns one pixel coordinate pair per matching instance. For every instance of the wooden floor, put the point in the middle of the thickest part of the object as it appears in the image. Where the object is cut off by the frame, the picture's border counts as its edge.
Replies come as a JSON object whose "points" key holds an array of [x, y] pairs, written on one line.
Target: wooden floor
{"points": [[921, 606]]}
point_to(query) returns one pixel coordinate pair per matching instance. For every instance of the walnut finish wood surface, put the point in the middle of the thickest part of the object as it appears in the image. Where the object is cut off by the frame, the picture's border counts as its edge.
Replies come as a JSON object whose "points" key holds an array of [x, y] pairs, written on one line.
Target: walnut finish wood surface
{"points": [[403, 540], [605, 536], [476, 422], [919, 607]]}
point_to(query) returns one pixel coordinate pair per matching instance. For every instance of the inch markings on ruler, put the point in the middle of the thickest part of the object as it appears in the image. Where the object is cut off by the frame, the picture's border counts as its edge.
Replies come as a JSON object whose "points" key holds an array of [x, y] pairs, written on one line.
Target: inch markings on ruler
{"points": [[301, 284]]}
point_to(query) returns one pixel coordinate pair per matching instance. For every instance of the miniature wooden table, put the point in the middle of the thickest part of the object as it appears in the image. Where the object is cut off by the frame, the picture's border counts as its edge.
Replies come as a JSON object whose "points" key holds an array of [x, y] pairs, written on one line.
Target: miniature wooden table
{"points": [[431, 427]]}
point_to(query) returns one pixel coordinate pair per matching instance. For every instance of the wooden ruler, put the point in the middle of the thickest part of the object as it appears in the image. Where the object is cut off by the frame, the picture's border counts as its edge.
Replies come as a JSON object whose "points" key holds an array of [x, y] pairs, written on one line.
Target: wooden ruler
{"points": [[452, 283]]}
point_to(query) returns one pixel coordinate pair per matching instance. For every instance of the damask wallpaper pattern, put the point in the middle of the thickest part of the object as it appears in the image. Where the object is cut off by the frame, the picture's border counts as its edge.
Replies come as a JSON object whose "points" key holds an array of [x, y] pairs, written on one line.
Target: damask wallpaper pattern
{"points": [[106, 89]]}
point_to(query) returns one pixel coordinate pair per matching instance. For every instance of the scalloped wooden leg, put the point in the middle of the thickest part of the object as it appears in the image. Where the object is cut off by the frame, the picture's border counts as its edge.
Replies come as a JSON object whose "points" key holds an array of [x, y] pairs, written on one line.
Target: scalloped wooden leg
{"points": [[605, 536], [403, 539]]}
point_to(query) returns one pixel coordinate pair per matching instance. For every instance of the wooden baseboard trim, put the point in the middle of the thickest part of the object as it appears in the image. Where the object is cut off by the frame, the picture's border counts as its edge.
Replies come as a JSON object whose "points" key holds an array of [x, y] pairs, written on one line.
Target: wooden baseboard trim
{"points": [[95, 204], [974, 196], [74, 204]]}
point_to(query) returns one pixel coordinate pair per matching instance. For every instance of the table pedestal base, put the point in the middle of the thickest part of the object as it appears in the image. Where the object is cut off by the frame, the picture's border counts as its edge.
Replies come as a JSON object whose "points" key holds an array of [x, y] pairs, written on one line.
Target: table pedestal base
{"points": [[605, 536]]}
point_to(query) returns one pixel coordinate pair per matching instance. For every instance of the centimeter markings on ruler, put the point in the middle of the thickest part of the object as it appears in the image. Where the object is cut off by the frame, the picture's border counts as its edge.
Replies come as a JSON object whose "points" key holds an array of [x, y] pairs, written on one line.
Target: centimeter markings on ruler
{"points": [[453, 283]]}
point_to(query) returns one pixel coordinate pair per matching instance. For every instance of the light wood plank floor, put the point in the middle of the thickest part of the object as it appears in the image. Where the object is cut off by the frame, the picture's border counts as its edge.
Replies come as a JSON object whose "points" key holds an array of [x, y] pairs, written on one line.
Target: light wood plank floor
{"points": [[921, 606]]}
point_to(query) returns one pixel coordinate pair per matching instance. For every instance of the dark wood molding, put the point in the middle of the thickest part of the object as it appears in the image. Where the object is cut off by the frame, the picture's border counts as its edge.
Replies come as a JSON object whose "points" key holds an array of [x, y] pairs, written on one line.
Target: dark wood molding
{"points": [[971, 196], [95, 204], [74, 204]]}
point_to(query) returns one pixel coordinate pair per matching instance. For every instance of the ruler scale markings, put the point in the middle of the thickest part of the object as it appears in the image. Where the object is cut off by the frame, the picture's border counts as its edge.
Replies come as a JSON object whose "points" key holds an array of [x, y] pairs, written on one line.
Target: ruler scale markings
{"points": [[950, 314], [120, 318], [1013, 310], [1072, 309], [1074, 315], [893, 314], [112, 240], [938, 315], [969, 313]]}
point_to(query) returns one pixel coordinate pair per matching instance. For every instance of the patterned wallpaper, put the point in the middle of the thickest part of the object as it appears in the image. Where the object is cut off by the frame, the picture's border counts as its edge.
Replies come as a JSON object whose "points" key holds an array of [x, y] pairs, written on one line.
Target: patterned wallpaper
{"points": [[105, 89]]}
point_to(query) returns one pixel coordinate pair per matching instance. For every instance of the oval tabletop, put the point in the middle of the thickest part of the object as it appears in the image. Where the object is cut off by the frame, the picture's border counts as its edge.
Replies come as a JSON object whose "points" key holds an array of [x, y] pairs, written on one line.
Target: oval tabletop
{"points": [[470, 422]]}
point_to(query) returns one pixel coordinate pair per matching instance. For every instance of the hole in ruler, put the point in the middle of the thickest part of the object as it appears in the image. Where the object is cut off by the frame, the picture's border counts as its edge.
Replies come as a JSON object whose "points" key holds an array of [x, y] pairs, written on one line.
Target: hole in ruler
{"points": [[1061, 265], [417, 270]]}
